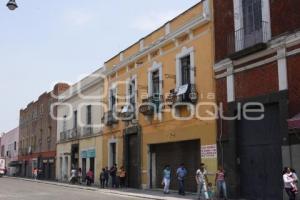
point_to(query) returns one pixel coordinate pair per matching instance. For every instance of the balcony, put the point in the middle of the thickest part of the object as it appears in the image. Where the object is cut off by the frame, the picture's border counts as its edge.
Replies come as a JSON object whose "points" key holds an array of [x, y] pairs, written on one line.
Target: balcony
{"points": [[127, 113], [151, 105], [109, 118], [184, 94], [87, 131], [248, 40], [69, 134]]}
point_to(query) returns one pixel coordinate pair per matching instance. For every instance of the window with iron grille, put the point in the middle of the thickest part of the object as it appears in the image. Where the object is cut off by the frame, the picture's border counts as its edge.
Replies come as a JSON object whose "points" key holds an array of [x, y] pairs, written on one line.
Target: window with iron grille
{"points": [[75, 119], [155, 83], [112, 98], [185, 70], [89, 114], [132, 95]]}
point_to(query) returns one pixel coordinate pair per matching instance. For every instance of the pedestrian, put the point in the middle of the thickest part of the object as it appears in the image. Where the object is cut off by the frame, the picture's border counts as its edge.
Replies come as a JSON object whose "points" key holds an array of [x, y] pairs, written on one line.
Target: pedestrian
{"points": [[73, 175], [122, 177], [166, 179], [102, 178], [289, 183], [89, 177], [106, 174], [35, 173], [79, 174], [210, 191], [181, 174], [295, 178], [201, 180], [221, 183], [113, 174]]}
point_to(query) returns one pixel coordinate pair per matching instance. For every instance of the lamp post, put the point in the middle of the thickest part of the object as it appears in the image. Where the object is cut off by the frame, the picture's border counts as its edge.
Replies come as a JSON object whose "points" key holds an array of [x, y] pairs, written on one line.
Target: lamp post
{"points": [[12, 5]]}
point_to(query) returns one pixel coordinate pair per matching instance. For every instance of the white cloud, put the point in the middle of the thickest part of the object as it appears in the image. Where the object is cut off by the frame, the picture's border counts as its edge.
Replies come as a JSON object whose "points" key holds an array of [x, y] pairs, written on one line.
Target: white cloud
{"points": [[151, 21]]}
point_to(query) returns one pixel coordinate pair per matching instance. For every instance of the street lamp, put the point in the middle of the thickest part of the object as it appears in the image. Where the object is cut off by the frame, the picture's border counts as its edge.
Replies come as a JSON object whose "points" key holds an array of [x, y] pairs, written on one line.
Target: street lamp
{"points": [[12, 5]]}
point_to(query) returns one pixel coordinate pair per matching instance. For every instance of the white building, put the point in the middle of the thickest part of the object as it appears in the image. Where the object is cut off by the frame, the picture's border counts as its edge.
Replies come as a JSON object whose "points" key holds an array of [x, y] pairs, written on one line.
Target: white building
{"points": [[79, 127]]}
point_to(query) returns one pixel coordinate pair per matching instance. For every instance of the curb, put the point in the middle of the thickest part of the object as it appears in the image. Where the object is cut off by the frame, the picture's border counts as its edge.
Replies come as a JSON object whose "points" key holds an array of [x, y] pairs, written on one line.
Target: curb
{"points": [[104, 191]]}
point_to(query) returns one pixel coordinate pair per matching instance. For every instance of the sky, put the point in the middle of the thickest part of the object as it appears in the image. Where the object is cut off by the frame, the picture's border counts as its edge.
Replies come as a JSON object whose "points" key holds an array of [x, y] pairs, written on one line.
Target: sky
{"points": [[44, 42]]}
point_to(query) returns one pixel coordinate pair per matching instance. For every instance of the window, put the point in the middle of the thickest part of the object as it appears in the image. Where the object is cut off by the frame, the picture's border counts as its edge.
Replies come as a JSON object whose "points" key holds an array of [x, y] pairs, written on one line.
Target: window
{"points": [[252, 23], [155, 83], [185, 70], [15, 146], [75, 119], [2, 150], [65, 123], [89, 115], [132, 95], [185, 67], [252, 15], [112, 98]]}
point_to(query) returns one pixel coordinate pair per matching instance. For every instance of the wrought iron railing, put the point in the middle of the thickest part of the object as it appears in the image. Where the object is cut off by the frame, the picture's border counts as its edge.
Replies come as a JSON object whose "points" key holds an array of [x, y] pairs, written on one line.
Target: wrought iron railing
{"points": [[110, 118], [70, 134], [248, 36]]}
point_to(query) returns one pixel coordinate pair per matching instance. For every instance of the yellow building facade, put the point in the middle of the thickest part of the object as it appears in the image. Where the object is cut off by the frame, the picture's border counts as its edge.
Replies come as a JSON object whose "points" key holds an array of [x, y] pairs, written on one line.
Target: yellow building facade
{"points": [[159, 96]]}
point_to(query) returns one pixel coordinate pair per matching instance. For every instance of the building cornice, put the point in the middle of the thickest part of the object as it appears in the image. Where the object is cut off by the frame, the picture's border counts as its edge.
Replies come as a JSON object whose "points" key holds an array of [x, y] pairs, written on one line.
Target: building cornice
{"points": [[201, 20]]}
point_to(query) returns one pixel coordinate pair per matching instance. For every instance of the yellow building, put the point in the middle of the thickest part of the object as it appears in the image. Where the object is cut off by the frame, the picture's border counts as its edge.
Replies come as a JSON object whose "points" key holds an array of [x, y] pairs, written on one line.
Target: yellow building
{"points": [[159, 90]]}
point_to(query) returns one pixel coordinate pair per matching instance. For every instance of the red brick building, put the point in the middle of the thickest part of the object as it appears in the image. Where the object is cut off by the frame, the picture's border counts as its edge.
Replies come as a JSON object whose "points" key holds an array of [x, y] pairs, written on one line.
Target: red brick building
{"points": [[37, 140], [257, 59]]}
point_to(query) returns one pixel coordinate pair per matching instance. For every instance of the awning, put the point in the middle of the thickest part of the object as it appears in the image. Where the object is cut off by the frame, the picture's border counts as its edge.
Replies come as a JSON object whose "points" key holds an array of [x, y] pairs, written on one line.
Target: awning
{"points": [[182, 89], [125, 109], [294, 123]]}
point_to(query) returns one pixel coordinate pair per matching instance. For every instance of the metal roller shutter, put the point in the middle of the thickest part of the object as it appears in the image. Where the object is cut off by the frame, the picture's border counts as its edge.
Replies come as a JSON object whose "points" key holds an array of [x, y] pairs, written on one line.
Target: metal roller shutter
{"points": [[173, 154]]}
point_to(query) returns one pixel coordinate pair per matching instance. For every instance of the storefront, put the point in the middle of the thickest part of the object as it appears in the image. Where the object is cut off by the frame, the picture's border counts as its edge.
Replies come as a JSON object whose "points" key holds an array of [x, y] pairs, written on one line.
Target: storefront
{"points": [[87, 161]]}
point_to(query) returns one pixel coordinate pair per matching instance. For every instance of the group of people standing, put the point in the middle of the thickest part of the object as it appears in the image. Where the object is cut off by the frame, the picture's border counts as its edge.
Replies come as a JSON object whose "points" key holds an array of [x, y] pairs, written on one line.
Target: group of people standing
{"points": [[290, 180], [117, 177], [205, 189]]}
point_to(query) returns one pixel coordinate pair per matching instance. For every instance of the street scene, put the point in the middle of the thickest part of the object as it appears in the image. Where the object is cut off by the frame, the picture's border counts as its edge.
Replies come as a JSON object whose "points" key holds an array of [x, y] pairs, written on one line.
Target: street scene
{"points": [[195, 99]]}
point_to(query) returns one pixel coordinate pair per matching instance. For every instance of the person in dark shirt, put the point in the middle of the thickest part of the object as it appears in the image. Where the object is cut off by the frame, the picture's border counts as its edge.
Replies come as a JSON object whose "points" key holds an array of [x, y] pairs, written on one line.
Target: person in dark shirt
{"points": [[113, 174]]}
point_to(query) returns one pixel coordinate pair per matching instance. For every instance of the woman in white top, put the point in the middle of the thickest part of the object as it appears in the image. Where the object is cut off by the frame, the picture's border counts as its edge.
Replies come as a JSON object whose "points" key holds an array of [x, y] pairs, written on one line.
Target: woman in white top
{"points": [[289, 183]]}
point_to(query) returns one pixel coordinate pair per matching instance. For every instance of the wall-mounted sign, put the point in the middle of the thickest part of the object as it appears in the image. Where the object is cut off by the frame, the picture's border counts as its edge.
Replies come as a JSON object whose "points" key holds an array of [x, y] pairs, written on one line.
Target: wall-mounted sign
{"points": [[91, 153], [209, 151]]}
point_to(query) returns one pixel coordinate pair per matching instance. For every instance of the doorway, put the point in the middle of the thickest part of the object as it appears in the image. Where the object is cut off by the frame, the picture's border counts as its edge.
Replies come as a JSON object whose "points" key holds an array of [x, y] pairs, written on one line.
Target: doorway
{"points": [[259, 147], [112, 154], [133, 164]]}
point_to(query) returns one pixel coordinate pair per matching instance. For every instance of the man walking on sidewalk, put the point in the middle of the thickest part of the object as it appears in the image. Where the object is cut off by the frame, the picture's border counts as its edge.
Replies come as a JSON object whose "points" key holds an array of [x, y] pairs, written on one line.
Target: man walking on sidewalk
{"points": [[181, 174]]}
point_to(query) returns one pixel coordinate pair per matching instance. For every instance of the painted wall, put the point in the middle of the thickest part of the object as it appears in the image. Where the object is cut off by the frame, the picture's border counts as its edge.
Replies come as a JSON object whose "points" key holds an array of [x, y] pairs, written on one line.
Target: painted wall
{"points": [[200, 39], [10, 141]]}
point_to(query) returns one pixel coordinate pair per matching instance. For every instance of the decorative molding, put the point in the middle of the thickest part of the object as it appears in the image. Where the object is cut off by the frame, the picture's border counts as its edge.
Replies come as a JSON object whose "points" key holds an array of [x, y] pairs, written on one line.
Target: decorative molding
{"points": [[282, 69], [155, 66], [230, 84], [278, 43], [167, 29], [142, 45], [198, 21]]}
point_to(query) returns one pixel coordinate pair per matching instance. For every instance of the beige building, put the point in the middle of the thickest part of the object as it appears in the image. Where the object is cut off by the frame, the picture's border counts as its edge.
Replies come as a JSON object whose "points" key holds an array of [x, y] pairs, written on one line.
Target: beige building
{"points": [[79, 139]]}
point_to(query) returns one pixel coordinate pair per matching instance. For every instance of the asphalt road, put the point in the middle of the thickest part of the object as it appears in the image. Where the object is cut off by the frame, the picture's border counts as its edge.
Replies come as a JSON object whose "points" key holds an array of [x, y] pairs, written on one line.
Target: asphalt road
{"points": [[14, 189]]}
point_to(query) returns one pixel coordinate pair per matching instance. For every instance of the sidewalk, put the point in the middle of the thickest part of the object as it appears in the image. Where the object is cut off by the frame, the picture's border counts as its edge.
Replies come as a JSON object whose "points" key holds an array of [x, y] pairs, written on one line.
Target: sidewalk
{"points": [[139, 193]]}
